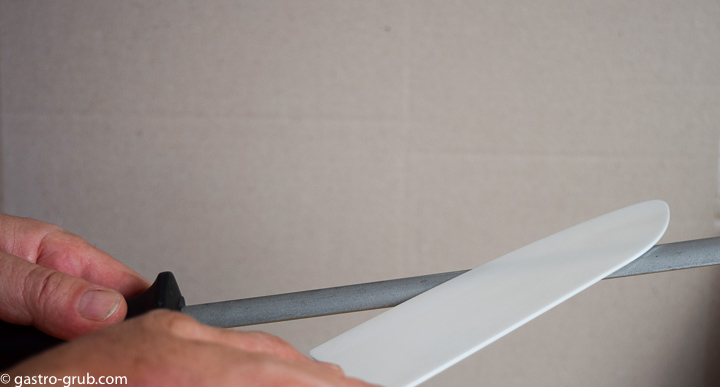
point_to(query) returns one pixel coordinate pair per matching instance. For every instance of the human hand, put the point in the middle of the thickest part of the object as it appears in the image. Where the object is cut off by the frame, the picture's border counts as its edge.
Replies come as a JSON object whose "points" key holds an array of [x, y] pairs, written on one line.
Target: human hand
{"points": [[58, 282], [164, 348]]}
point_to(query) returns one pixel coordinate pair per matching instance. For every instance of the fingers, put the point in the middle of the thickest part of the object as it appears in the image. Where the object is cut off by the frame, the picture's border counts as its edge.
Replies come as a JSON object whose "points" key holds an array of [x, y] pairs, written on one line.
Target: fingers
{"points": [[164, 348], [264, 358], [257, 342], [58, 282], [71, 254], [52, 247], [65, 287], [265, 370], [56, 303]]}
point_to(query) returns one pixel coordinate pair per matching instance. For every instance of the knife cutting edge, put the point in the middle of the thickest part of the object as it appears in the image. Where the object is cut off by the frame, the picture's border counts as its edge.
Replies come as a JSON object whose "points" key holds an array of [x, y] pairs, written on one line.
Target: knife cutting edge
{"points": [[20, 342]]}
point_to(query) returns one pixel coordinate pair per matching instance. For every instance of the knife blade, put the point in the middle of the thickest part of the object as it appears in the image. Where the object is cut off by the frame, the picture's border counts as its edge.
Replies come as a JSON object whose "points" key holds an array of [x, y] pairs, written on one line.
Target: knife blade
{"points": [[427, 334]]}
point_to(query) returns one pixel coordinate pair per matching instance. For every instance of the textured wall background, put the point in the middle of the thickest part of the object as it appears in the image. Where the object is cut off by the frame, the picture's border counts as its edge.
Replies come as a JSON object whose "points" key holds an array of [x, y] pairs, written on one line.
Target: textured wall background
{"points": [[264, 147]]}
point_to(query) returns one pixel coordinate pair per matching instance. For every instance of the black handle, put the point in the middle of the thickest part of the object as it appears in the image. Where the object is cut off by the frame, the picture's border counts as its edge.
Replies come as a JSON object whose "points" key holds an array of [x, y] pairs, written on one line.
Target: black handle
{"points": [[164, 293], [19, 342]]}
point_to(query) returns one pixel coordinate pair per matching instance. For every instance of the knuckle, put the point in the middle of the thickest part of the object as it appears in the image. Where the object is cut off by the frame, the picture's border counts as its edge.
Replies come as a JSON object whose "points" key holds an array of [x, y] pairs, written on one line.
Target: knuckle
{"points": [[24, 236], [60, 236], [64, 251], [50, 228], [170, 321], [264, 342], [268, 339], [39, 287]]}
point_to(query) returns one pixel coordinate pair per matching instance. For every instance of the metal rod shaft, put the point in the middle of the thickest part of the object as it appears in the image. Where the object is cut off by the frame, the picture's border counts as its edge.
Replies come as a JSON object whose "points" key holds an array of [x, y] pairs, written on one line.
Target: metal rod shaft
{"points": [[384, 294]]}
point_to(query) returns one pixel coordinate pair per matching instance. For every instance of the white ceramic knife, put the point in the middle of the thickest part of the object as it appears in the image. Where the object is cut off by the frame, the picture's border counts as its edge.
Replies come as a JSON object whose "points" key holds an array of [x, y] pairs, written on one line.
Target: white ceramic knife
{"points": [[425, 335]]}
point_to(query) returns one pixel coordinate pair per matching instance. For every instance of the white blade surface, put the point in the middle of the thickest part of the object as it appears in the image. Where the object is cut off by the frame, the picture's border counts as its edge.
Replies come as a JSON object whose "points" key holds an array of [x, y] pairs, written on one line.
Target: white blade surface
{"points": [[429, 333]]}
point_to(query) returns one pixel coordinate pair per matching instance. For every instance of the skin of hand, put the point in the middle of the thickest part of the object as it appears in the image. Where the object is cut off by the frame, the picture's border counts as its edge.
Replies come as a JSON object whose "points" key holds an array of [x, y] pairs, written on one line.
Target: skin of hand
{"points": [[62, 285], [164, 348], [58, 282]]}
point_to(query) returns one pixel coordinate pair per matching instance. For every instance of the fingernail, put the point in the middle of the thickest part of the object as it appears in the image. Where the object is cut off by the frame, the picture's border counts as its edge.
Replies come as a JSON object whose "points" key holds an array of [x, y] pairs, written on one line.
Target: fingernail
{"points": [[98, 305]]}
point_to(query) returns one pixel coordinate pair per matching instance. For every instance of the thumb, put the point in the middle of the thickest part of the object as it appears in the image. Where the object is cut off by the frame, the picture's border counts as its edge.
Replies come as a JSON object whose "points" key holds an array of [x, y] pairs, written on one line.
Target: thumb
{"points": [[54, 302]]}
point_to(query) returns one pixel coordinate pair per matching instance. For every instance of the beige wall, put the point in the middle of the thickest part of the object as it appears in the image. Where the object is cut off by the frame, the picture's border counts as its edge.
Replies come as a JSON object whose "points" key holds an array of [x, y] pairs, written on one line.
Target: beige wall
{"points": [[264, 147]]}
